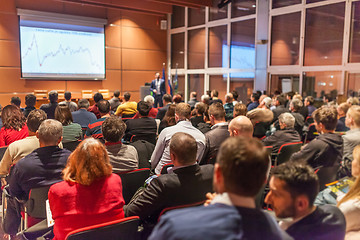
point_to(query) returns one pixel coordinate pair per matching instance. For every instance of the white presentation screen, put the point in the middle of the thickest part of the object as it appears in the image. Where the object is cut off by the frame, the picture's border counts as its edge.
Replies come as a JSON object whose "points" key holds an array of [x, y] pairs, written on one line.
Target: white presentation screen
{"points": [[61, 51]]}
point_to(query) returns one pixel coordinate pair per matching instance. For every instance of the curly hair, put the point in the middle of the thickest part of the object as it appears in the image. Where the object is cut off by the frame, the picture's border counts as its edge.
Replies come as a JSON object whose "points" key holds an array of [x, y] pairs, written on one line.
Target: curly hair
{"points": [[12, 117]]}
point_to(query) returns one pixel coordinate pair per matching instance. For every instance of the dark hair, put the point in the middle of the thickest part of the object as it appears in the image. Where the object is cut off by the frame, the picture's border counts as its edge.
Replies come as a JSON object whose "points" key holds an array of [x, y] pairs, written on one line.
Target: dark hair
{"points": [[177, 98], [167, 98], [12, 117], [244, 163], [143, 108], [300, 179], [184, 146], [30, 100], [290, 94], [256, 96], [63, 115], [53, 96], [103, 106], [83, 103], [217, 110], [16, 101], [280, 99], [235, 94], [127, 96], [214, 93], [35, 118], [310, 99], [67, 95], [113, 129], [327, 115], [116, 93], [170, 115], [200, 107], [97, 97], [328, 97]]}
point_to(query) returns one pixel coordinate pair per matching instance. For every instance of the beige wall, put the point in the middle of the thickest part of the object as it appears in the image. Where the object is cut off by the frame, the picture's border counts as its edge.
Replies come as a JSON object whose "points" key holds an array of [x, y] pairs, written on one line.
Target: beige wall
{"points": [[135, 50]]}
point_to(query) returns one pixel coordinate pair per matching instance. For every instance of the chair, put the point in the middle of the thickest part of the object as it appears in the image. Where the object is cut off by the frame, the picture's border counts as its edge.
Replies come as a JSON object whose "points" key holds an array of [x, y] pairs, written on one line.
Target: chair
{"points": [[165, 168], [311, 133], [2, 152], [132, 181], [122, 229], [285, 152], [165, 210], [87, 94], [71, 145], [326, 175]]}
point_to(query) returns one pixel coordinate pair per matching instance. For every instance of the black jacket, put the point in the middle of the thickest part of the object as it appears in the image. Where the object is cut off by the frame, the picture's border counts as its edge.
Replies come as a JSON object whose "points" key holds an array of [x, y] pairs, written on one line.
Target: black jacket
{"points": [[184, 186], [279, 110], [161, 112], [326, 150], [281, 137], [143, 128]]}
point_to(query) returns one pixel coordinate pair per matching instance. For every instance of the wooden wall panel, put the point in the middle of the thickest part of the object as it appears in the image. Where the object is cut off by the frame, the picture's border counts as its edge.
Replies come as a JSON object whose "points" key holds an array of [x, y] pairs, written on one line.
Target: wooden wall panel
{"points": [[133, 79], [9, 27], [40, 5], [137, 59], [131, 19], [113, 36], [10, 54], [143, 38], [87, 11], [113, 58]]}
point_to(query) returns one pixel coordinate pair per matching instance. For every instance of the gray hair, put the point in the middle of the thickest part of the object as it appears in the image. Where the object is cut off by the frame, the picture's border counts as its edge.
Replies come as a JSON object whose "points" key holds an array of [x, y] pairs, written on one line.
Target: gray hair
{"points": [[83, 103], [297, 104], [267, 101], [288, 119], [149, 99], [50, 131], [205, 98]]}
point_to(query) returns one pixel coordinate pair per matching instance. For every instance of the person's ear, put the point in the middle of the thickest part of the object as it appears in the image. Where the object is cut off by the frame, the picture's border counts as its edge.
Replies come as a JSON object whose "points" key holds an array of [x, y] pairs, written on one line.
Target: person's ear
{"points": [[37, 134], [218, 182], [301, 203]]}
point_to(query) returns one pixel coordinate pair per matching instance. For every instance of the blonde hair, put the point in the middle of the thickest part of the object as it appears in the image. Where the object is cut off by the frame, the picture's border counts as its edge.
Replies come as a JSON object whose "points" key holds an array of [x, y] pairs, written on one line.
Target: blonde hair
{"points": [[87, 163], [354, 113], [354, 191]]}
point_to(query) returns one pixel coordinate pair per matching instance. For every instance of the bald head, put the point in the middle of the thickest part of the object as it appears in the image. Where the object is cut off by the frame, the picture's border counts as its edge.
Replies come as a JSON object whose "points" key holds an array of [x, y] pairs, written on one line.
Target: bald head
{"points": [[241, 126], [183, 147]]}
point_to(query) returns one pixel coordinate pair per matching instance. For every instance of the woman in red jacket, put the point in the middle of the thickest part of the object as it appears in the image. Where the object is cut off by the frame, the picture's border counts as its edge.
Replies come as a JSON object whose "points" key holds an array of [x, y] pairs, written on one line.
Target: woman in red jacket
{"points": [[14, 125], [90, 194]]}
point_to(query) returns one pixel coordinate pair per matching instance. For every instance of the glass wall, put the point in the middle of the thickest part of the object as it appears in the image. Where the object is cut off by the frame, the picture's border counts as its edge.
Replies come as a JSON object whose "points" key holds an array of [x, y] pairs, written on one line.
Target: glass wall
{"points": [[177, 50], [218, 46], [196, 48]]}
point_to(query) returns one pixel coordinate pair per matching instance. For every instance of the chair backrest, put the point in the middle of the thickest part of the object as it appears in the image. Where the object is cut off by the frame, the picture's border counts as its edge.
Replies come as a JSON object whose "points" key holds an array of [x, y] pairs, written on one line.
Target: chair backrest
{"points": [[35, 207], [71, 145], [326, 175], [311, 133], [126, 228], [2, 151], [165, 168], [132, 181], [165, 210], [286, 150]]}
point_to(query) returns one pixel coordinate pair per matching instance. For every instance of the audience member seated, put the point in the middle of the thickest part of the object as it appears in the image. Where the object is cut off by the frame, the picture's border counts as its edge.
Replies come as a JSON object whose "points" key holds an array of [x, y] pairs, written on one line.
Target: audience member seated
{"points": [[241, 126], [217, 135], [350, 203], [166, 103], [177, 99], [265, 103], [286, 134], [295, 106], [143, 128], [188, 182], [115, 101], [235, 97], [240, 172], [215, 97], [127, 109], [205, 126], [123, 157], [71, 131], [352, 101], [329, 100], [21, 148], [16, 101], [239, 110], [14, 125], [254, 101], [206, 99], [261, 120], [94, 108], [342, 110], [199, 109], [150, 100], [309, 103], [293, 188], [351, 139], [49, 108], [144, 151], [169, 118], [303, 110], [289, 96], [94, 128], [82, 116], [71, 105], [30, 101], [161, 154], [327, 149], [229, 107], [90, 194], [279, 103], [40, 168], [192, 102]]}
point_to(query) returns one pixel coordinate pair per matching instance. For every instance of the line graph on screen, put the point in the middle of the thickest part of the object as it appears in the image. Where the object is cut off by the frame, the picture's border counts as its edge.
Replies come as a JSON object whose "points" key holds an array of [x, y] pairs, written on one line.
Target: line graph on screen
{"points": [[61, 51]]}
